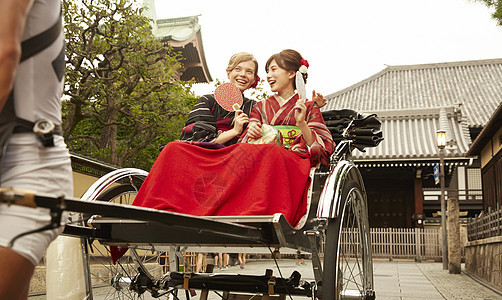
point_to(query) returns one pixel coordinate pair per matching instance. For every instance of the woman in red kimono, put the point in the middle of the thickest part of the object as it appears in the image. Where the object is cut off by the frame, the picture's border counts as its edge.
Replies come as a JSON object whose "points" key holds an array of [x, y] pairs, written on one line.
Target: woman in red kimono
{"points": [[310, 135]]}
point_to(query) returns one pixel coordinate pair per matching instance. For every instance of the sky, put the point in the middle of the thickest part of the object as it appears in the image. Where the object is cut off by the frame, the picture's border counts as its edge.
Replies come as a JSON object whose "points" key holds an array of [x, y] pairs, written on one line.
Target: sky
{"points": [[344, 41]]}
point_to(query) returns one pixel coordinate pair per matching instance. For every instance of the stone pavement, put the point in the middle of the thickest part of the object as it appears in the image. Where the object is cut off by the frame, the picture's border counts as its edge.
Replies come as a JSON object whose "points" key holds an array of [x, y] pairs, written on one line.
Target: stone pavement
{"points": [[401, 280], [398, 279], [425, 280]]}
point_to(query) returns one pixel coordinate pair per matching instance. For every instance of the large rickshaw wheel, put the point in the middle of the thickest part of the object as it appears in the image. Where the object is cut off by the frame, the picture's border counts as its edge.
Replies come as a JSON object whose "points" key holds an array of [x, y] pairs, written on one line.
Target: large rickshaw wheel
{"points": [[348, 267], [116, 281]]}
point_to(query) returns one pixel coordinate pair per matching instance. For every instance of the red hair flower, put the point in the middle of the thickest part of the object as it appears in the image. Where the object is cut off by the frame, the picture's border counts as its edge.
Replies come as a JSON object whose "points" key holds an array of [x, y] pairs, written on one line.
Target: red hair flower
{"points": [[256, 81], [304, 62]]}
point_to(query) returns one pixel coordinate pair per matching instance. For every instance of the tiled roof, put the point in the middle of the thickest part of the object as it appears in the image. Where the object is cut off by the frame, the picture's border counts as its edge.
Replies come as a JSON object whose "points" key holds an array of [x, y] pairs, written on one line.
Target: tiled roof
{"points": [[477, 85], [184, 35], [491, 128], [410, 135], [177, 29]]}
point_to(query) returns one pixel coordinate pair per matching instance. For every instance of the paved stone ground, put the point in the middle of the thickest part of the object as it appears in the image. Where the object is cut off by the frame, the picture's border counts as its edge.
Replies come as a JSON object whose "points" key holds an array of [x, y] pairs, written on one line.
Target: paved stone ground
{"points": [[393, 280], [425, 280], [456, 286]]}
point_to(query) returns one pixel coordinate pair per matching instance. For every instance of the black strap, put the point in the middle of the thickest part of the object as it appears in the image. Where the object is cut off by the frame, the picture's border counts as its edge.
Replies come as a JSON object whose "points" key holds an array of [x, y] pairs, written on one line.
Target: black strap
{"points": [[29, 48], [25, 129], [41, 41], [35, 45]]}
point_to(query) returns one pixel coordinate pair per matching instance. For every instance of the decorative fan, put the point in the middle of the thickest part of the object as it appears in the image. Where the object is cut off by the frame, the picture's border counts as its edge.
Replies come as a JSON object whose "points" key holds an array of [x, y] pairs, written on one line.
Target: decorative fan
{"points": [[228, 96], [300, 86]]}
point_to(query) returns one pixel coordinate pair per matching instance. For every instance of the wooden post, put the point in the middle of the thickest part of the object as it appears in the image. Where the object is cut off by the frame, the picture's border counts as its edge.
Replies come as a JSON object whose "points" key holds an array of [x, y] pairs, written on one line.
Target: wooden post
{"points": [[417, 245], [419, 199], [454, 251], [444, 238], [391, 243]]}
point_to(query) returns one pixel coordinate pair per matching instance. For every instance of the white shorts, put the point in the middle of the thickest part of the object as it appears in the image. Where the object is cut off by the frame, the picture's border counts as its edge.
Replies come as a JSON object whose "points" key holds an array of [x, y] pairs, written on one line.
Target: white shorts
{"points": [[26, 164]]}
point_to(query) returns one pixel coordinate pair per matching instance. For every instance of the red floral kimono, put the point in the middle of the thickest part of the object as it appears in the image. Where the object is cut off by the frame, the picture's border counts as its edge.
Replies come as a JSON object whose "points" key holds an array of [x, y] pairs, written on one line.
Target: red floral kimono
{"points": [[270, 112]]}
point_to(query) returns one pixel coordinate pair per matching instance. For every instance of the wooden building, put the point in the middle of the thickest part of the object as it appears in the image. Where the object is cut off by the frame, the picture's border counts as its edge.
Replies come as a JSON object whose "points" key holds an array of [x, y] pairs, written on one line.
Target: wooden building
{"points": [[488, 146], [184, 35], [413, 102]]}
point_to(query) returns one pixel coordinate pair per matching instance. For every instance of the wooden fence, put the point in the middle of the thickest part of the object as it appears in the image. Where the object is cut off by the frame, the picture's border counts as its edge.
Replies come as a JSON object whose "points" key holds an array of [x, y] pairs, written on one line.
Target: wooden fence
{"points": [[486, 225], [410, 243], [391, 243], [401, 243]]}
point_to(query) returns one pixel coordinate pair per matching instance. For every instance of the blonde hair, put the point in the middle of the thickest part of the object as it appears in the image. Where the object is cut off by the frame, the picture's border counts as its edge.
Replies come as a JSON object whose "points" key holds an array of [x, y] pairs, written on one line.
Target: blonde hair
{"points": [[240, 57]]}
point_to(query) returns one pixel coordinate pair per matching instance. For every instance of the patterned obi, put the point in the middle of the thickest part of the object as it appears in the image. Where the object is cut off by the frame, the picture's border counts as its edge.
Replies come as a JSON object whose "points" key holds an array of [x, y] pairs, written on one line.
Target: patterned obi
{"points": [[282, 135], [288, 134]]}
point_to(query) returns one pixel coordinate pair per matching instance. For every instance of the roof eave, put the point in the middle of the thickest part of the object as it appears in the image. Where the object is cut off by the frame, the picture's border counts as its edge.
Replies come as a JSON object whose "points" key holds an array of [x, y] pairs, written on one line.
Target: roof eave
{"points": [[486, 134]]}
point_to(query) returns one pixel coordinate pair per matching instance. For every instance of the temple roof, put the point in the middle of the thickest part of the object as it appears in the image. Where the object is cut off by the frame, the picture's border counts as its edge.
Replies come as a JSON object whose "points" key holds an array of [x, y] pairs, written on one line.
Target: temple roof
{"points": [[184, 35], [410, 135], [475, 85], [177, 29]]}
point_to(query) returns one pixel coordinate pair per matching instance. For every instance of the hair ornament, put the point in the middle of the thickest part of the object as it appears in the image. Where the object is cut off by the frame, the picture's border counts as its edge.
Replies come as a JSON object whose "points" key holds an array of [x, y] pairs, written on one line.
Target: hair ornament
{"points": [[256, 81], [304, 64]]}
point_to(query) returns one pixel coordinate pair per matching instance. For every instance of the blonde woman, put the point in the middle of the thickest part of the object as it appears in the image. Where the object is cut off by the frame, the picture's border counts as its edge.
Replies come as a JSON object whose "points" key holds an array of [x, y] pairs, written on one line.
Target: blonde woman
{"points": [[209, 122]]}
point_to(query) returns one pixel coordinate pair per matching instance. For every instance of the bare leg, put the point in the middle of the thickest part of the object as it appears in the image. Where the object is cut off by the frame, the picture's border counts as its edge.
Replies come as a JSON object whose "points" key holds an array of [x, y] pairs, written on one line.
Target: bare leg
{"points": [[226, 257], [220, 255], [242, 260], [15, 275], [217, 261], [199, 265]]}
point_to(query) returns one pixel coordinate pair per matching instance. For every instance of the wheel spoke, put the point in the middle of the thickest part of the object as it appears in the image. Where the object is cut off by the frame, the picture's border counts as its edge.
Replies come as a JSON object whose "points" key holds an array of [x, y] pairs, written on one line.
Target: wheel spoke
{"points": [[346, 250], [351, 248], [114, 281]]}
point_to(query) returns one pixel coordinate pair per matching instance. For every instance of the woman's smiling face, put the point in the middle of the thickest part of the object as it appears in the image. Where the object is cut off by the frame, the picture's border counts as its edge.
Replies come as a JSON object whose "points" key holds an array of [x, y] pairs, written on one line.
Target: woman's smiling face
{"points": [[243, 75], [278, 78]]}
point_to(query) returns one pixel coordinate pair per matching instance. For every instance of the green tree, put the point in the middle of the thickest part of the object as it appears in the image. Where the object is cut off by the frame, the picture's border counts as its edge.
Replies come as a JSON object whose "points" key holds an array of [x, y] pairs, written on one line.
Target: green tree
{"points": [[259, 93], [123, 98], [497, 6]]}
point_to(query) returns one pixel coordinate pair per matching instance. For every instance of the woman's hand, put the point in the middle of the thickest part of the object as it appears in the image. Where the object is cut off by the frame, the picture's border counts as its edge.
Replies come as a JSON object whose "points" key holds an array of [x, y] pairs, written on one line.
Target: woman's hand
{"points": [[319, 99], [254, 131], [300, 115], [300, 112], [240, 120]]}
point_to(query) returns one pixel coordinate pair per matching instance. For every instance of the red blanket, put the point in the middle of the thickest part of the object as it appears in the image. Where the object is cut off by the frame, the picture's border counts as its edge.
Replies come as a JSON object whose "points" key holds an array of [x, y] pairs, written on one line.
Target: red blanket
{"points": [[241, 179]]}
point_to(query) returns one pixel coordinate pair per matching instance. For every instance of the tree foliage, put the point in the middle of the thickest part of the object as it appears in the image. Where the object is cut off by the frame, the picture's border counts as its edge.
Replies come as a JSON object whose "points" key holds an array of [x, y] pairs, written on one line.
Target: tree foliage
{"points": [[259, 93], [497, 6], [123, 100]]}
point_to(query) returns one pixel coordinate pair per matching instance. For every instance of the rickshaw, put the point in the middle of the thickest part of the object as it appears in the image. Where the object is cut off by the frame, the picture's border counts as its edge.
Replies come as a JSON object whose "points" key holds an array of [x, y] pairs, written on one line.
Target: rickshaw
{"points": [[133, 251]]}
